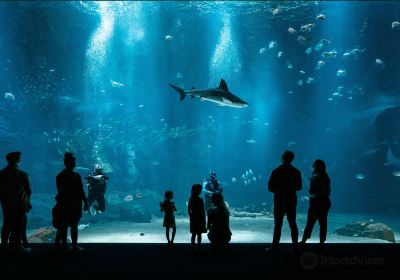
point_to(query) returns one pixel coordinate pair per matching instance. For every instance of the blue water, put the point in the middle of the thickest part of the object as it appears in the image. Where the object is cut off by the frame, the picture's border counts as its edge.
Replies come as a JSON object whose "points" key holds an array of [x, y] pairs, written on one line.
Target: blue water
{"points": [[92, 78]]}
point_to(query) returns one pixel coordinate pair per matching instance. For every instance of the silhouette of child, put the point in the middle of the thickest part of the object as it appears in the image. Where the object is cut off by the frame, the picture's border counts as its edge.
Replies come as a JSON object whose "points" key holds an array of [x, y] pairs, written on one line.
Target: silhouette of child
{"points": [[197, 215], [168, 207]]}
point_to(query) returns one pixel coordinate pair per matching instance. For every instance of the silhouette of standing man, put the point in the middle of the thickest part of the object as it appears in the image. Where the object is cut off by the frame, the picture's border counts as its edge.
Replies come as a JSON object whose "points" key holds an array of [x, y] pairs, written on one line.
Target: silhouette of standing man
{"points": [[68, 209], [15, 193], [284, 182]]}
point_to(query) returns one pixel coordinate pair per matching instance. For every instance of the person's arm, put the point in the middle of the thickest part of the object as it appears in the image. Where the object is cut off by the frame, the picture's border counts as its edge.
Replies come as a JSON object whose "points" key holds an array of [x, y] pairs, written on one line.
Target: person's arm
{"points": [[329, 189], [311, 187], [189, 208], [272, 182], [203, 213], [27, 185], [58, 185], [299, 181], [82, 193], [173, 205]]}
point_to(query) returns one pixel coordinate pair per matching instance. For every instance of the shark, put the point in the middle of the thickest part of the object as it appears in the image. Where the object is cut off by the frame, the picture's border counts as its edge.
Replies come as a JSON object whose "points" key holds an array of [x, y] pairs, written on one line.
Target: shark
{"points": [[220, 95]]}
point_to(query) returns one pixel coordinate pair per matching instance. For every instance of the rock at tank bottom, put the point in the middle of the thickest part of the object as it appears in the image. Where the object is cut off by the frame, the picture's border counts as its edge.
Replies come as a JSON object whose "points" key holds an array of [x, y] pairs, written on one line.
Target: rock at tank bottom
{"points": [[43, 235], [369, 230]]}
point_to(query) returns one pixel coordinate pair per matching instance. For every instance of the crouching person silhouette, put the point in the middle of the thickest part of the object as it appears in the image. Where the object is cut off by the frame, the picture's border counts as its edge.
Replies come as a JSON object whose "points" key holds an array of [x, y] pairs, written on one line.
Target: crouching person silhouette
{"points": [[218, 224]]}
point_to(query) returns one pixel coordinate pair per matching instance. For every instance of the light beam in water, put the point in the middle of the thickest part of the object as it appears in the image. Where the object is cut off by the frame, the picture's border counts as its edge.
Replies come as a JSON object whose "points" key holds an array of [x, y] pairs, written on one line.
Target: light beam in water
{"points": [[225, 61]]}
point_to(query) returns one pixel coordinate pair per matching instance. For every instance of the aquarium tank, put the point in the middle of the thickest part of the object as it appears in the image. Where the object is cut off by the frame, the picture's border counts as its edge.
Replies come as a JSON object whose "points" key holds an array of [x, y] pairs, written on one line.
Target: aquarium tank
{"points": [[161, 93]]}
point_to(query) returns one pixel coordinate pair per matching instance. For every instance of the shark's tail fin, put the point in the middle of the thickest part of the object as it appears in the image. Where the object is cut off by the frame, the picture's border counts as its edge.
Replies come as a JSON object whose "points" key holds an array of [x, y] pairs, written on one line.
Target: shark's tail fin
{"points": [[180, 91]]}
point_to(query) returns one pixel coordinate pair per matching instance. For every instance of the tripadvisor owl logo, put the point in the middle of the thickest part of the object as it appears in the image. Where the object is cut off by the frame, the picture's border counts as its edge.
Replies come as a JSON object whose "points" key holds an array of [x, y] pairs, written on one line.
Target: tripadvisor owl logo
{"points": [[309, 261]]}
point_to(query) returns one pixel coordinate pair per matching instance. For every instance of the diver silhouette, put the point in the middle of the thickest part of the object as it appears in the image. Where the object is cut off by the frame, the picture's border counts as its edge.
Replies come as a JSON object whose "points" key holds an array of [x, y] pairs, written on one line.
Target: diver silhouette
{"points": [[284, 182], [197, 215], [211, 186], [319, 190], [218, 224], [15, 193], [68, 208], [97, 186]]}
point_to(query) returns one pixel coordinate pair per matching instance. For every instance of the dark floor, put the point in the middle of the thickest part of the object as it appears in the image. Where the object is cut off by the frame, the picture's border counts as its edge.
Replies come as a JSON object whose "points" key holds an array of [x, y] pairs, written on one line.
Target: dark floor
{"points": [[141, 261]]}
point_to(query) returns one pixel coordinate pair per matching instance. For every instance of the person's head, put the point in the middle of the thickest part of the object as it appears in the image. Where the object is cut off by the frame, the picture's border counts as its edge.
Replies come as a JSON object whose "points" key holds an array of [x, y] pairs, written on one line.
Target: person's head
{"points": [[287, 156], [69, 160], [213, 175], [217, 199], [319, 166], [13, 158], [196, 189], [98, 169], [169, 195]]}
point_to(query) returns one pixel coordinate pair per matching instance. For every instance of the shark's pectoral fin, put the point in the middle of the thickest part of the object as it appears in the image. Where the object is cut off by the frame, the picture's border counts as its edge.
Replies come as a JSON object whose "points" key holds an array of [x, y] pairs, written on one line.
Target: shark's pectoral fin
{"points": [[223, 85], [193, 88]]}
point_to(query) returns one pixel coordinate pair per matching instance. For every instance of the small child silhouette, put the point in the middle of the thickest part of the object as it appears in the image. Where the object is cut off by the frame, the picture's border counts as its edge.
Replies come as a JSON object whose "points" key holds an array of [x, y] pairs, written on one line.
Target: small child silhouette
{"points": [[168, 207], [197, 214]]}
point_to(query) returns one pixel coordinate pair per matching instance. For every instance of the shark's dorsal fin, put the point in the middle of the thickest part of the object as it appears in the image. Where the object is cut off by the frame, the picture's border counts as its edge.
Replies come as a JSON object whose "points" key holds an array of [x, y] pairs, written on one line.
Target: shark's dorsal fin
{"points": [[223, 85]]}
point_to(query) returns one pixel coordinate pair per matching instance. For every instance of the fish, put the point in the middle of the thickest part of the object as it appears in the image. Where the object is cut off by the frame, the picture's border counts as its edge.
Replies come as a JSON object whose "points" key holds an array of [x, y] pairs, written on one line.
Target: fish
{"points": [[220, 95], [115, 84], [9, 96], [299, 83], [179, 76], [251, 141], [309, 80], [378, 61], [276, 11], [138, 195], [128, 198], [321, 44], [330, 54], [307, 28], [291, 30], [320, 64], [272, 44], [169, 37], [280, 53], [304, 198], [68, 100], [396, 173], [308, 50], [341, 73], [263, 50], [233, 180], [321, 17], [395, 25], [357, 51], [360, 176], [83, 226]]}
